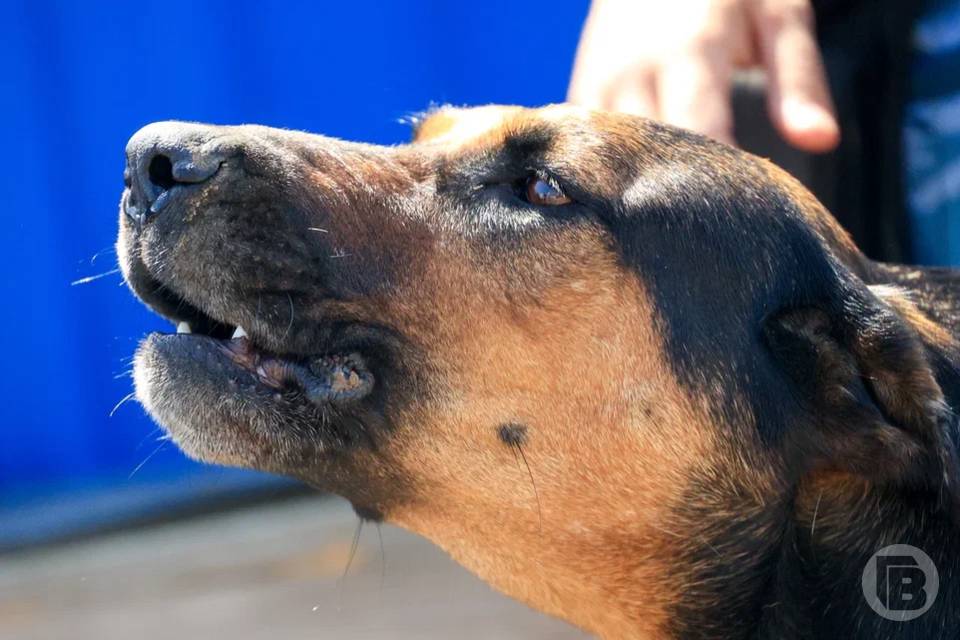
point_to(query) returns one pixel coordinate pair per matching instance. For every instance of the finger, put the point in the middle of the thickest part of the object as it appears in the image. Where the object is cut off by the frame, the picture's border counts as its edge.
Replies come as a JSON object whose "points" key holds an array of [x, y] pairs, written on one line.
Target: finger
{"points": [[799, 99], [635, 95], [584, 89], [586, 86], [693, 90], [584, 95]]}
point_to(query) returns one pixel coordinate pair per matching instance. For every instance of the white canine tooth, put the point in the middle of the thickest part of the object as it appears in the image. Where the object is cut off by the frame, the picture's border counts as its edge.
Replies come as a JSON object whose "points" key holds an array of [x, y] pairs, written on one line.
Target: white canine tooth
{"points": [[184, 327], [239, 333]]}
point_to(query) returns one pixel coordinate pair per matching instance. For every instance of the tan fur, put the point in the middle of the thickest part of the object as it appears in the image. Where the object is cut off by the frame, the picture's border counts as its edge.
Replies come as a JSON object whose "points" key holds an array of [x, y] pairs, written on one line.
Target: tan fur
{"points": [[585, 520], [612, 438], [458, 126], [931, 332]]}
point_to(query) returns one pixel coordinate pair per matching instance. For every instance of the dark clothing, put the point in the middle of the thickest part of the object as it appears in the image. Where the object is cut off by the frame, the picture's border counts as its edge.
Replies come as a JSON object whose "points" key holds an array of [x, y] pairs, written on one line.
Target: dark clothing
{"points": [[866, 52]]}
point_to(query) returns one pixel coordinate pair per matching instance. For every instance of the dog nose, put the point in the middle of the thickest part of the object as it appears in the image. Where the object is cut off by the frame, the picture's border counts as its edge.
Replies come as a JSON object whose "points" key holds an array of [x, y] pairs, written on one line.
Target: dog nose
{"points": [[162, 160]]}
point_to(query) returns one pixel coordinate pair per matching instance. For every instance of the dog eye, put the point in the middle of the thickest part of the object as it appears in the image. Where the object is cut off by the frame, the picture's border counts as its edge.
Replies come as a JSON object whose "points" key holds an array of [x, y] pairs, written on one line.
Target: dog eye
{"points": [[544, 191]]}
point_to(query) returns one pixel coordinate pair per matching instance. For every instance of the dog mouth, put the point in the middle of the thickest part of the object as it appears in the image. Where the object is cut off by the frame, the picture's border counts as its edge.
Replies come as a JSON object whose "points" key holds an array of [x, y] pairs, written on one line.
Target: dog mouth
{"points": [[323, 378], [226, 397], [270, 364]]}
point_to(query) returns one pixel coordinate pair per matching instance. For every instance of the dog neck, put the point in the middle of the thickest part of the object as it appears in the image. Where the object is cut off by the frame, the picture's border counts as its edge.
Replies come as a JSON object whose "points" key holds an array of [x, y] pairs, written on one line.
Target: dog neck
{"points": [[816, 587], [806, 580], [840, 521]]}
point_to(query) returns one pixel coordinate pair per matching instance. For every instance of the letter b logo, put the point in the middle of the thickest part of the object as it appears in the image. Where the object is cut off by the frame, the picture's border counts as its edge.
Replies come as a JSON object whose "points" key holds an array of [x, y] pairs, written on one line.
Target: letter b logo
{"points": [[900, 582]]}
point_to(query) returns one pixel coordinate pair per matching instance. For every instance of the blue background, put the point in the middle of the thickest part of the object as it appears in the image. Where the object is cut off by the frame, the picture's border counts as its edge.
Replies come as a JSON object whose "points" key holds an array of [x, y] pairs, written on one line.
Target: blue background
{"points": [[77, 79]]}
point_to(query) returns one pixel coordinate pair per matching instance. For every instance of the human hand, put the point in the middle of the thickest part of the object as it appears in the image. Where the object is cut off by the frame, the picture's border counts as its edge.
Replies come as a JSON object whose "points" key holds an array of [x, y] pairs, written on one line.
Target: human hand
{"points": [[675, 60]]}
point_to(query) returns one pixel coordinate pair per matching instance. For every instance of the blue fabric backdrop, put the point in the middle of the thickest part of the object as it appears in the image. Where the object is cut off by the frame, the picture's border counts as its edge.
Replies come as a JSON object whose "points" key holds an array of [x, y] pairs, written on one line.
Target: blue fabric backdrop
{"points": [[77, 78]]}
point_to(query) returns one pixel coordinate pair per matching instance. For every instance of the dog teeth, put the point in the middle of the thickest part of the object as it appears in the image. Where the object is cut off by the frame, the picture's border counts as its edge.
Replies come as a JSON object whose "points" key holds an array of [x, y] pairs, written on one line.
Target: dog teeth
{"points": [[184, 327], [239, 333]]}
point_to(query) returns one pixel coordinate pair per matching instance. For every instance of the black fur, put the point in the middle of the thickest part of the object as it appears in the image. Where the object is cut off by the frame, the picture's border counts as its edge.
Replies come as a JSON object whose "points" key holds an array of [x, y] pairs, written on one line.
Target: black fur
{"points": [[804, 368], [512, 434], [724, 254]]}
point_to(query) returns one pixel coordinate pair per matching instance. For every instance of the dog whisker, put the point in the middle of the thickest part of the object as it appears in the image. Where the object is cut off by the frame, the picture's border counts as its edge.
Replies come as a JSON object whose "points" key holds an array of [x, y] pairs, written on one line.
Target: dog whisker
{"points": [[290, 325], [147, 437], [123, 400], [147, 459], [354, 545], [383, 558], [93, 278], [532, 484], [816, 510], [106, 250]]}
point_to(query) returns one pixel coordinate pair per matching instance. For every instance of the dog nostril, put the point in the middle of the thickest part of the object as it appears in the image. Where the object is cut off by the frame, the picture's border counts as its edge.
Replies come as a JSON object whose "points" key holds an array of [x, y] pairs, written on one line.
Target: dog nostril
{"points": [[160, 172], [164, 160]]}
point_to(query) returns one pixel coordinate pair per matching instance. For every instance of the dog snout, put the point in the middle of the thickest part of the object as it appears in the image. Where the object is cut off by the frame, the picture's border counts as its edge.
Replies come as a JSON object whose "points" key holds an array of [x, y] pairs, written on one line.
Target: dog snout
{"points": [[163, 159]]}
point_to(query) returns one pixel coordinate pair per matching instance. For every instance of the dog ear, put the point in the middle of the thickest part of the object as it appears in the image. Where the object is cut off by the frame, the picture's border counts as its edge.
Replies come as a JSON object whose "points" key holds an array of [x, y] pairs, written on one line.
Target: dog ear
{"points": [[863, 376]]}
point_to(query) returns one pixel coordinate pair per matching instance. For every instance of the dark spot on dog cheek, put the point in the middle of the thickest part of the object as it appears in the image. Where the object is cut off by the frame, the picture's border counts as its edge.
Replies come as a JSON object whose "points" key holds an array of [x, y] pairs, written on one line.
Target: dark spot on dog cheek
{"points": [[367, 513], [513, 434]]}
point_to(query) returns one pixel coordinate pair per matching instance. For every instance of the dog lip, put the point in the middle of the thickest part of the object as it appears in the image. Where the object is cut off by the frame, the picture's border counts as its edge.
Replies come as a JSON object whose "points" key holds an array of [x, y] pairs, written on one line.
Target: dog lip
{"points": [[333, 378], [323, 372]]}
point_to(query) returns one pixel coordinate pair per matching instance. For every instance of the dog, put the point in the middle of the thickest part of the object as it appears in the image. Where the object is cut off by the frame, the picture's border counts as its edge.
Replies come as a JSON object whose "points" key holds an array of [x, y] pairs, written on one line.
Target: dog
{"points": [[630, 376]]}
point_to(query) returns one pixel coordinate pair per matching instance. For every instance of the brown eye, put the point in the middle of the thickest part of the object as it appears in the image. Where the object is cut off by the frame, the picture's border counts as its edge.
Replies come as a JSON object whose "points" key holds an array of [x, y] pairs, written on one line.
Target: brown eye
{"points": [[545, 192]]}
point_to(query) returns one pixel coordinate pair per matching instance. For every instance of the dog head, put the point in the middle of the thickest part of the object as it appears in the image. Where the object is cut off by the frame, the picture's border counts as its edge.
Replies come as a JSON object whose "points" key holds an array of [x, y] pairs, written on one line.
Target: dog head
{"points": [[582, 352]]}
